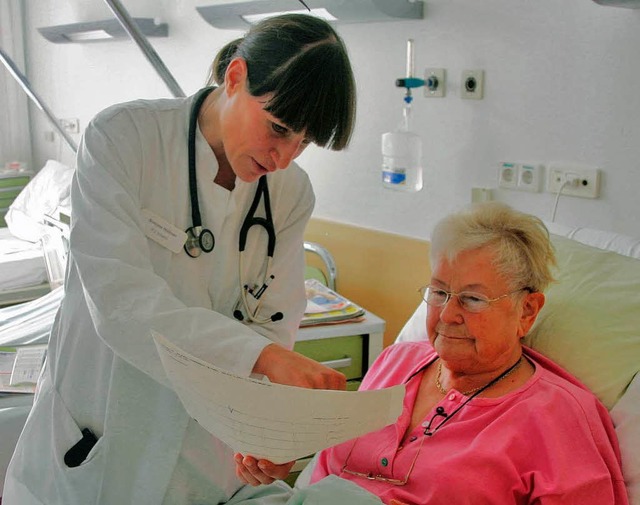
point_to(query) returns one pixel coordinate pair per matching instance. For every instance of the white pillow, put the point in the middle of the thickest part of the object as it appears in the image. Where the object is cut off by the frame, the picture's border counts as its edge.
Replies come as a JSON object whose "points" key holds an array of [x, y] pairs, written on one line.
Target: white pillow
{"points": [[626, 417], [48, 190], [415, 329], [607, 240], [590, 324]]}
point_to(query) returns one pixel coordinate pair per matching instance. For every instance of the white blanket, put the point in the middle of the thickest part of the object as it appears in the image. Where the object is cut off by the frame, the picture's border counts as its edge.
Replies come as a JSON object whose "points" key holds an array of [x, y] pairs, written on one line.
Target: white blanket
{"points": [[21, 262]]}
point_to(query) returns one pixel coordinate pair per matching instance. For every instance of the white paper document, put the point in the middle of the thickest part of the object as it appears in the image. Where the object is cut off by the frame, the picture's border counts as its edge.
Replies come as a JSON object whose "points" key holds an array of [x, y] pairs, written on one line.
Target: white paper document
{"points": [[272, 421], [28, 364]]}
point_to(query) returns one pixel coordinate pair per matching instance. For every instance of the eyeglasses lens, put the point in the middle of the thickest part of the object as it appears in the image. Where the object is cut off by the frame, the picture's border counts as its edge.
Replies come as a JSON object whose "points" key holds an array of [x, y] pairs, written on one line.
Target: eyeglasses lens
{"points": [[472, 302]]}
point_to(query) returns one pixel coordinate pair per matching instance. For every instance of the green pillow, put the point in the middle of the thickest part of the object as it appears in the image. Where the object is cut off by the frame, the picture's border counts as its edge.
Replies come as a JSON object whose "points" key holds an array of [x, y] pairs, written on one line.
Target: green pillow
{"points": [[590, 324]]}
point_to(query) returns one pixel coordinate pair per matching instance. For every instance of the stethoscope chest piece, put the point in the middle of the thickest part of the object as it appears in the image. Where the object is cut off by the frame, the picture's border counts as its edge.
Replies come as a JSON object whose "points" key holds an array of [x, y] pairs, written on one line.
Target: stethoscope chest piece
{"points": [[201, 239], [198, 240]]}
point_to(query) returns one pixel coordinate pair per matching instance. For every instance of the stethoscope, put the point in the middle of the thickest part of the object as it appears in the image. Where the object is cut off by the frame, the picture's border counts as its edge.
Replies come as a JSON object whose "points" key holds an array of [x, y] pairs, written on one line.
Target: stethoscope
{"points": [[201, 239]]}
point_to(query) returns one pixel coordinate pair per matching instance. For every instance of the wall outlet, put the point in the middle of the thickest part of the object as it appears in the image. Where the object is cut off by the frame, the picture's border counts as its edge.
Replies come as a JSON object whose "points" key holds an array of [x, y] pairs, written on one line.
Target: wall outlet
{"points": [[435, 79], [472, 84], [584, 181], [71, 125], [507, 175], [529, 177]]}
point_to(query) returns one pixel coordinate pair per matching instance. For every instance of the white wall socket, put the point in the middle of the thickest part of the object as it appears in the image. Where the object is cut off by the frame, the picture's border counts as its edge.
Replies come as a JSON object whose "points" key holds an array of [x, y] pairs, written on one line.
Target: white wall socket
{"points": [[529, 177], [472, 84], [507, 175], [520, 176], [588, 180]]}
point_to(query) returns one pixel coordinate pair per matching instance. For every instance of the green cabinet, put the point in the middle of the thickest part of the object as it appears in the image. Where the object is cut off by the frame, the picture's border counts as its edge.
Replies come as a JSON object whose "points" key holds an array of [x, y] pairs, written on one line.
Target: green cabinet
{"points": [[10, 187], [344, 354], [348, 347]]}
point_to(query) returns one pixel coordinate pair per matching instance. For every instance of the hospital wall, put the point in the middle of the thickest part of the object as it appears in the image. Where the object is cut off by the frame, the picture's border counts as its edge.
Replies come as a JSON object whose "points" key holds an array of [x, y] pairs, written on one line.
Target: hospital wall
{"points": [[560, 85]]}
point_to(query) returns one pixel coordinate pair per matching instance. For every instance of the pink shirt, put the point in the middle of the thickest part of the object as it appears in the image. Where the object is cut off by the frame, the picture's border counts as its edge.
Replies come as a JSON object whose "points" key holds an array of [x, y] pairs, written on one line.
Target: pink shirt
{"points": [[551, 441]]}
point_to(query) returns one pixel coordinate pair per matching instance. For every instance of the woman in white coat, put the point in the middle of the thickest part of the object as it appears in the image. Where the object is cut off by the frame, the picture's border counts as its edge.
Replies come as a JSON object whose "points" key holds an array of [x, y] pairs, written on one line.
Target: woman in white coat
{"points": [[106, 427]]}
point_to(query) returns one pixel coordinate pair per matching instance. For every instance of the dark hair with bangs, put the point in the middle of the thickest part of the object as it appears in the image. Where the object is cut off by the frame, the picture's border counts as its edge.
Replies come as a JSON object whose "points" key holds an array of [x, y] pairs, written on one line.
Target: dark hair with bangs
{"points": [[303, 63]]}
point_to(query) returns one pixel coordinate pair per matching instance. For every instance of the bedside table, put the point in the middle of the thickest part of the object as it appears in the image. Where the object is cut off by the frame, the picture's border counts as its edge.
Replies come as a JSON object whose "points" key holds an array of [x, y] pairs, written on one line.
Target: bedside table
{"points": [[349, 348]]}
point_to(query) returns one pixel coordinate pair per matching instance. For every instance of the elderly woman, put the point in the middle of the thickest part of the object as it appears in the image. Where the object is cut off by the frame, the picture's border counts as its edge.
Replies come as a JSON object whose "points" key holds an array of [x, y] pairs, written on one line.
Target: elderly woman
{"points": [[485, 419]]}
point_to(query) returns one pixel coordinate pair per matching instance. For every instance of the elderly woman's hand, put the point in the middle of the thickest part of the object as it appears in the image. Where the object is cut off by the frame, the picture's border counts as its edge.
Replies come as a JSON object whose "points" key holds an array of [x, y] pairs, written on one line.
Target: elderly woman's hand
{"points": [[256, 472]]}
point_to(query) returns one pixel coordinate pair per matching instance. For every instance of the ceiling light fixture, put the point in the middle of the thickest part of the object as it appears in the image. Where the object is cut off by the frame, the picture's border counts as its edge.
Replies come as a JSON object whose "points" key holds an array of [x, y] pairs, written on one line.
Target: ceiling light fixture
{"points": [[94, 31], [240, 15]]}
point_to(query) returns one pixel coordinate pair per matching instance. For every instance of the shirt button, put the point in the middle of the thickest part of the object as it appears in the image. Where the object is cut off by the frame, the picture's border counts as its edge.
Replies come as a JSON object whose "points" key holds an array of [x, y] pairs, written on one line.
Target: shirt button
{"points": [[384, 461], [452, 396]]}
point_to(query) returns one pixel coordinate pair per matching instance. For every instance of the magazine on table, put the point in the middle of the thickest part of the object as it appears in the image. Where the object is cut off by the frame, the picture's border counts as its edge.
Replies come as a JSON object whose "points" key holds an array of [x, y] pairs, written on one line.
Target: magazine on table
{"points": [[326, 306]]}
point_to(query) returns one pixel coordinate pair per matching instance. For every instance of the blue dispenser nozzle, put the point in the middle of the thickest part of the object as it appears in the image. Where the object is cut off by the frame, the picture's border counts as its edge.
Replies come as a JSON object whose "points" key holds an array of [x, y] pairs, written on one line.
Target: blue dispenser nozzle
{"points": [[410, 82]]}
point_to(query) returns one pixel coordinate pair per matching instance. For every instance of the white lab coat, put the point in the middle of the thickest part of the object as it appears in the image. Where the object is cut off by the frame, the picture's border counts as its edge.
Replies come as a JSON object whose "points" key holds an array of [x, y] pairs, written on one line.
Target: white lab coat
{"points": [[103, 371]]}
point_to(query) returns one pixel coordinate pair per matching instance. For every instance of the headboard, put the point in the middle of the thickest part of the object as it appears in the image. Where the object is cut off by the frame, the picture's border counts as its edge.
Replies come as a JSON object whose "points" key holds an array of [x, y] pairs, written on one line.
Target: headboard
{"points": [[379, 271]]}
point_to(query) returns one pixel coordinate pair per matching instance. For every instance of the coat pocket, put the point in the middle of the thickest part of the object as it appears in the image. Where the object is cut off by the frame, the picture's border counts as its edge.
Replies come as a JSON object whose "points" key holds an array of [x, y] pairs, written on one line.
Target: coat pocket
{"points": [[39, 460]]}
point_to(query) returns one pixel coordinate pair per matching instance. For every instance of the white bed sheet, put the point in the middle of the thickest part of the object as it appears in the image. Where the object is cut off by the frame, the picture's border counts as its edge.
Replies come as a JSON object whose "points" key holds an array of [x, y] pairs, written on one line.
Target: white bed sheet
{"points": [[21, 263], [29, 323]]}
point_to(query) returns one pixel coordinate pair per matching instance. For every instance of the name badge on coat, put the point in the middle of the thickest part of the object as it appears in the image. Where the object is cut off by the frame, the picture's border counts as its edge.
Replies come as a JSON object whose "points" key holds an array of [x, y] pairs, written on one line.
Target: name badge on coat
{"points": [[163, 232]]}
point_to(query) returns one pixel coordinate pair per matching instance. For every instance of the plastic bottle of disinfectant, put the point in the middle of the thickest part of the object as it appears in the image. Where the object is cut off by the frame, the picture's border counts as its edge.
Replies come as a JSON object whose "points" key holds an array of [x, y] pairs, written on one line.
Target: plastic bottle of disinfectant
{"points": [[402, 156]]}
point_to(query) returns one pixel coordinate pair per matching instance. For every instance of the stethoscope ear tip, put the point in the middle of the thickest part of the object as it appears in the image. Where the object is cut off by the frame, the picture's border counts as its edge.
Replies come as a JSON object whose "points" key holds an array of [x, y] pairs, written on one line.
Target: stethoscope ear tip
{"points": [[238, 315]]}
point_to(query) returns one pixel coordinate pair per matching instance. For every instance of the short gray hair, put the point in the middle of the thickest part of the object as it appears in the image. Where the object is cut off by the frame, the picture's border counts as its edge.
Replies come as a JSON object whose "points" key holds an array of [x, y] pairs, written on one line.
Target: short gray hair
{"points": [[524, 255]]}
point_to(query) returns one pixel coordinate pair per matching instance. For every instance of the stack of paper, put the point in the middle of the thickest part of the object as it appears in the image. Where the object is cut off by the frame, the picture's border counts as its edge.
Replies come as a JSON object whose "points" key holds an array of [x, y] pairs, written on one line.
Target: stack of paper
{"points": [[326, 306]]}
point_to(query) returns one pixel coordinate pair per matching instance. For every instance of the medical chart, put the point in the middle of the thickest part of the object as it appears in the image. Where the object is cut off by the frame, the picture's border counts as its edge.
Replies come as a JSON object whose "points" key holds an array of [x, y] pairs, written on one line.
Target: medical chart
{"points": [[272, 421], [20, 368]]}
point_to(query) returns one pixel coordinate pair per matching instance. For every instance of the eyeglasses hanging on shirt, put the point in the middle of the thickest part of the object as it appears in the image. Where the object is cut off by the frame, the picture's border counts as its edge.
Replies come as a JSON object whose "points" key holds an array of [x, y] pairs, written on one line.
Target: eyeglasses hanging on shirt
{"points": [[429, 431]]}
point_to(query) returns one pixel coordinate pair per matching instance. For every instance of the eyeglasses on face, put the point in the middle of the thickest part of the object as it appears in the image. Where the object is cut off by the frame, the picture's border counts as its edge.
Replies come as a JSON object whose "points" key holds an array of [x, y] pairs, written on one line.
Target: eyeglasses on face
{"points": [[469, 301]]}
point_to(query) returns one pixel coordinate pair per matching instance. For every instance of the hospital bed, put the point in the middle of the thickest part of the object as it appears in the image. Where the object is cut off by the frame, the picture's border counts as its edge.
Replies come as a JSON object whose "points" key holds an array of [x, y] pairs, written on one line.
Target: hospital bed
{"points": [[31, 243], [590, 325], [22, 269], [23, 274]]}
